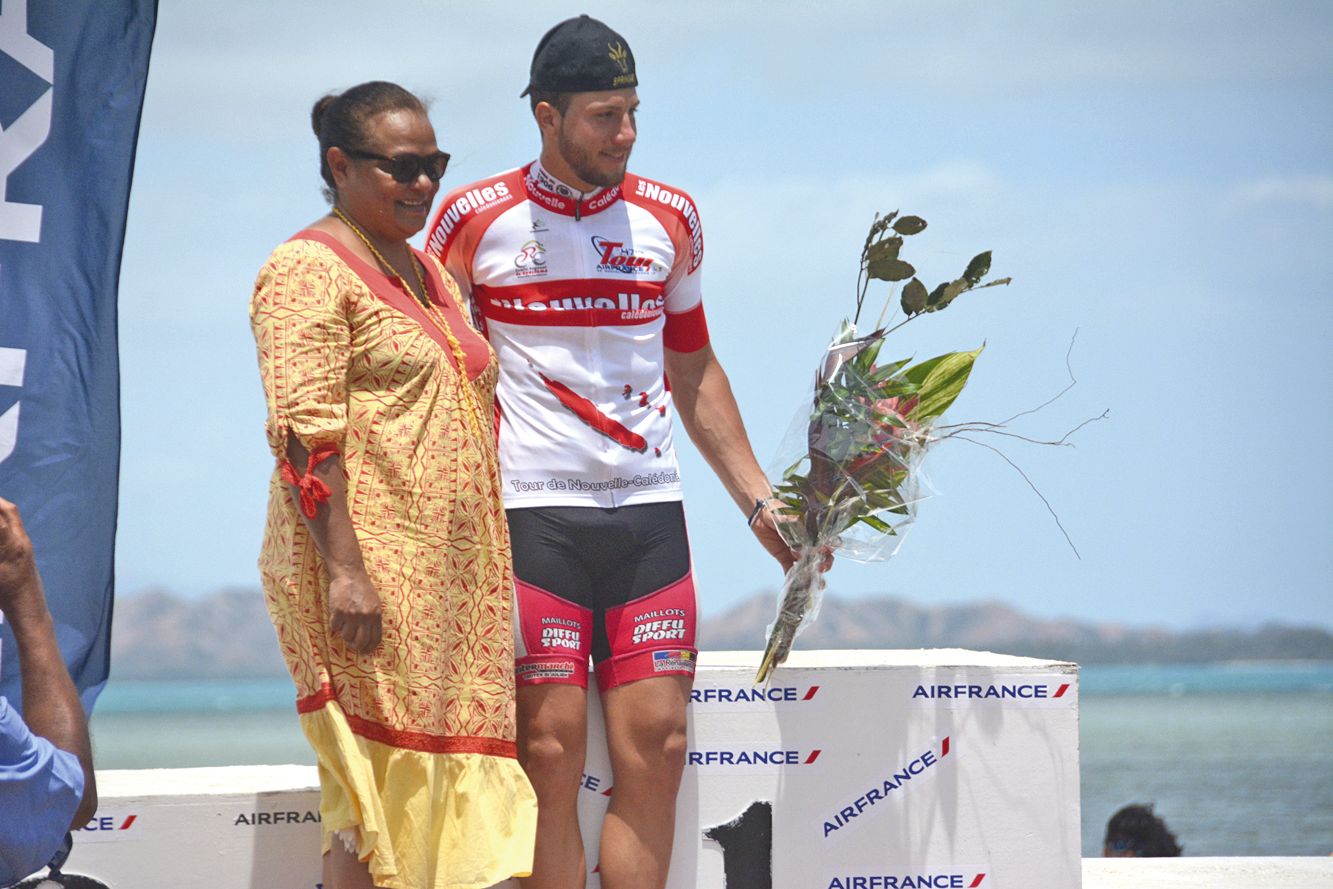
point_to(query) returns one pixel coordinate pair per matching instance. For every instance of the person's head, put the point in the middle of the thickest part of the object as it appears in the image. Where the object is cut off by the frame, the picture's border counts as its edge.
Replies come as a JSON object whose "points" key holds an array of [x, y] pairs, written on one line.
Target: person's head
{"points": [[1135, 832], [378, 157], [581, 88]]}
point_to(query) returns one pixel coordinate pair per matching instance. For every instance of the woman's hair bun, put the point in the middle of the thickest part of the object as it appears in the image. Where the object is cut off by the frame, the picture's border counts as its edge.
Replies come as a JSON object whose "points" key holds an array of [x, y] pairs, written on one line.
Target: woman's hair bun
{"points": [[317, 113]]}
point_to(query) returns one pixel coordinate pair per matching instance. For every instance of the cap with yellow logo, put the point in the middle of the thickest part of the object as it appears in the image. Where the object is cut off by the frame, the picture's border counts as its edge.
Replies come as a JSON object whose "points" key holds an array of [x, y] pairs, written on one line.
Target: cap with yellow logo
{"points": [[581, 55]]}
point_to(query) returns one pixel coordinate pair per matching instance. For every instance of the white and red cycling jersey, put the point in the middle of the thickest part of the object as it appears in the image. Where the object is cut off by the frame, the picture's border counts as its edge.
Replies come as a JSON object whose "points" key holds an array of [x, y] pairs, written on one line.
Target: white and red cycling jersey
{"points": [[579, 294]]}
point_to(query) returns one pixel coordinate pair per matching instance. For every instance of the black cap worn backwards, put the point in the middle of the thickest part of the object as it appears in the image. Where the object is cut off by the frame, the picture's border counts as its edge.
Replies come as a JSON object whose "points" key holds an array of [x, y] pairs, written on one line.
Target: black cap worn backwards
{"points": [[581, 55]]}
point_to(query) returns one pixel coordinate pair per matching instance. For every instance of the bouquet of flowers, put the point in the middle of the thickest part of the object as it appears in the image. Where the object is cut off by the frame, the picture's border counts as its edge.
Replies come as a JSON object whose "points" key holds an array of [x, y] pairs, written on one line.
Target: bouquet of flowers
{"points": [[854, 485]]}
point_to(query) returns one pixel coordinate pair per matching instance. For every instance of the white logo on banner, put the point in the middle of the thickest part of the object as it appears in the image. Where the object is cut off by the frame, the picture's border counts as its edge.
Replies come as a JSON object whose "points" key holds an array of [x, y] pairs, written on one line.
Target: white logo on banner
{"points": [[23, 222], [11, 374]]}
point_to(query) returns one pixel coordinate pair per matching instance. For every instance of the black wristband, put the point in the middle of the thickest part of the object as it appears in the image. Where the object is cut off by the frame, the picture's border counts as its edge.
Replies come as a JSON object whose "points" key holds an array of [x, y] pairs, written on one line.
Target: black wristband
{"points": [[759, 505]]}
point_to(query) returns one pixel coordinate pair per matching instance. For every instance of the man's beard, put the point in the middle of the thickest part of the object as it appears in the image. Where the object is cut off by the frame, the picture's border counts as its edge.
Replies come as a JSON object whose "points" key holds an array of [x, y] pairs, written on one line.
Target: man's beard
{"points": [[582, 162]]}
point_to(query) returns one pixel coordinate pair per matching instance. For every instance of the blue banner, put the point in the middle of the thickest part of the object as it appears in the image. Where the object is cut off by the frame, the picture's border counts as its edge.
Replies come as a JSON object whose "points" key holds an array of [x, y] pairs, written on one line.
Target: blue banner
{"points": [[72, 77]]}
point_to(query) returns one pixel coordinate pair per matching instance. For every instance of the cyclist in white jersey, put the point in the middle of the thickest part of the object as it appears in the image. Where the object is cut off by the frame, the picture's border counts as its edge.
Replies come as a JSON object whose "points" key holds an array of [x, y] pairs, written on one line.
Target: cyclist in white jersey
{"points": [[586, 280]]}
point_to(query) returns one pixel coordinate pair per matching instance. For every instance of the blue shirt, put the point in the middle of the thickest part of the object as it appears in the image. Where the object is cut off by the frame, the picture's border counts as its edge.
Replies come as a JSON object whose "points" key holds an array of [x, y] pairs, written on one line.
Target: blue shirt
{"points": [[40, 789]]}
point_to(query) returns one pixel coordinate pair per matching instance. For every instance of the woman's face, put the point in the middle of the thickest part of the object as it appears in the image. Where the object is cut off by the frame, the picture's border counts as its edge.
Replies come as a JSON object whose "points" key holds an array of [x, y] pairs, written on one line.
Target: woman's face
{"points": [[387, 209]]}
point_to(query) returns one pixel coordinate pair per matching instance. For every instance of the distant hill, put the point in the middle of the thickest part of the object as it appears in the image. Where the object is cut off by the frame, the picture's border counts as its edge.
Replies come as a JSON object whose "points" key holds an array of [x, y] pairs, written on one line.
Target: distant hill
{"points": [[888, 622], [158, 635]]}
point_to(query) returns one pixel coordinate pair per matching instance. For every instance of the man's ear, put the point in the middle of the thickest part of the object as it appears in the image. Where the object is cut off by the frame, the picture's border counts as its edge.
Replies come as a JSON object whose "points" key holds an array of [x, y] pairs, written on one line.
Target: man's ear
{"points": [[548, 118]]}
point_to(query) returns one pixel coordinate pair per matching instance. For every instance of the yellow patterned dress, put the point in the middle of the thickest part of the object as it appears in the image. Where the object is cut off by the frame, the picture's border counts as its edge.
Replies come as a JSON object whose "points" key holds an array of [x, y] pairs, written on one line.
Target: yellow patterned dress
{"points": [[414, 740]]}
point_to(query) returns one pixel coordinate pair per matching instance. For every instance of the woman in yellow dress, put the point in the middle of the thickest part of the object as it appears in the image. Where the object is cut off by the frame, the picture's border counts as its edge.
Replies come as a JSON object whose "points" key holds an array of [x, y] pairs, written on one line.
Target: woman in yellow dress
{"points": [[385, 560]]}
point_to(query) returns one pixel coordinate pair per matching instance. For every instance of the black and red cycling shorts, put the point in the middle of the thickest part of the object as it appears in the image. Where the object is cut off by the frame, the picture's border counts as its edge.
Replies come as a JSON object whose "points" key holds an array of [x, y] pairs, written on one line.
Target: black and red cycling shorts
{"points": [[611, 584]]}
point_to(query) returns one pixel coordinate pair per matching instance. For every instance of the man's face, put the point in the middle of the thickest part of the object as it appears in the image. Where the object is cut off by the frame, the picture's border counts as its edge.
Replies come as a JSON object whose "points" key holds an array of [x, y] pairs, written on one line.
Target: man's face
{"points": [[596, 133]]}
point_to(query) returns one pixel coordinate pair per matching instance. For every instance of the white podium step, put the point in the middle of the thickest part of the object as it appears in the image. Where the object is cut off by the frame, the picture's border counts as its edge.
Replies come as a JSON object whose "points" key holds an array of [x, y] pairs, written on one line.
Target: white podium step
{"points": [[933, 769]]}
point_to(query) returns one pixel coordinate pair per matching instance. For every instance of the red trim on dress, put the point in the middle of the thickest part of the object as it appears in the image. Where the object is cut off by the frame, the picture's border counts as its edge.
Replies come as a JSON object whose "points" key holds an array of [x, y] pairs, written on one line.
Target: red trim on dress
{"points": [[405, 740], [390, 291], [313, 490]]}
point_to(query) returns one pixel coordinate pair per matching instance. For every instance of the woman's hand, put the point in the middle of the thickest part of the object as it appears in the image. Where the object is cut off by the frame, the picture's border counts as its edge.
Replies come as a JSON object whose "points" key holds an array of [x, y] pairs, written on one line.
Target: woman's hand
{"points": [[354, 611]]}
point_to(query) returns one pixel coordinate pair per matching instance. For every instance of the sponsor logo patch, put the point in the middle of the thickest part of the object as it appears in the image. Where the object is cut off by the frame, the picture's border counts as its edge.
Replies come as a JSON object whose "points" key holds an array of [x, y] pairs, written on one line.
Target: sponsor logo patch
{"points": [[664, 661], [560, 633], [544, 670], [615, 256], [685, 207], [761, 758], [1015, 691], [267, 819], [474, 200], [744, 694], [530, 261], [660, 625], [921, 878], [892, 786]]}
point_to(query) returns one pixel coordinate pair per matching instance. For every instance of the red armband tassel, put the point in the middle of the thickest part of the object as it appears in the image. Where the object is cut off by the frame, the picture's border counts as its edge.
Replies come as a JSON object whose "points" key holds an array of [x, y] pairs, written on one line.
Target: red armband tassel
{"points": [[313, 490]]}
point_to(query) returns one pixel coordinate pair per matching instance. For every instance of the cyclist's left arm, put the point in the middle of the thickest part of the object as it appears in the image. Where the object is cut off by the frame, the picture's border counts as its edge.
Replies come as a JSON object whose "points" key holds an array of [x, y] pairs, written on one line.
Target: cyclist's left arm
{"points": [[707, 408]]}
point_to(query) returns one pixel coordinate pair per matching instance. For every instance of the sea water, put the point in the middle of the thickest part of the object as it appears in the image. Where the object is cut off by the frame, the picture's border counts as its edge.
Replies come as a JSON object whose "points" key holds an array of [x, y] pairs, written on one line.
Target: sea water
{"points": [[1237, 758]]}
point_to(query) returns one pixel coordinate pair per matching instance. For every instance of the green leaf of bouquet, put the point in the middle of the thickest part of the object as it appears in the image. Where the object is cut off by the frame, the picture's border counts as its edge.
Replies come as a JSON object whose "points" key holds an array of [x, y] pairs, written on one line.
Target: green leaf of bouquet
{"points": [[909, 225], [885, 249], [884, 371], [890, 269], [951, 292], [933, 299], [878, 524], [943, 384], [914, 297], [917, 373], [977, 268]]}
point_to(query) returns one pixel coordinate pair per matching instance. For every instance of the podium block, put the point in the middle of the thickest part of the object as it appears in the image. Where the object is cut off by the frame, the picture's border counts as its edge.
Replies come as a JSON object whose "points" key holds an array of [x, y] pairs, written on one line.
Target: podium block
{"points": [[934, 769]]}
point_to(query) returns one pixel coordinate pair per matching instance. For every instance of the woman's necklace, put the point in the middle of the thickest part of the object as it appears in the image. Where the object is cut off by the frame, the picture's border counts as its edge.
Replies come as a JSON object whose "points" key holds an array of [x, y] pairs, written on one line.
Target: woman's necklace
{"points": [[433, 314], [379, 257]]}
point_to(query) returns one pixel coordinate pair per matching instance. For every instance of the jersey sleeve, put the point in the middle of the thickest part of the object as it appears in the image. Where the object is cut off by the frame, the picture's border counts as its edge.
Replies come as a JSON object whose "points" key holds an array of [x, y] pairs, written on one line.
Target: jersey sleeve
{"points": [[40, 790], [303, 337], [686, 327], [461, 220]]}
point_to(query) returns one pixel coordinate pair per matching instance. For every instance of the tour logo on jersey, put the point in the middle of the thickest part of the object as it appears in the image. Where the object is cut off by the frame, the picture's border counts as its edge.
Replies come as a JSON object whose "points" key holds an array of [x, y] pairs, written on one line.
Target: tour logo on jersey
{"points": [[615, 256], [530, 261]]}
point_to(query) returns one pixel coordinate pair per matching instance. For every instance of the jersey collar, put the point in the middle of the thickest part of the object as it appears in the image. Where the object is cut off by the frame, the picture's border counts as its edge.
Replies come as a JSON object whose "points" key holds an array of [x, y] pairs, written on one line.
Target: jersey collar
{"points": [[556, 196]]}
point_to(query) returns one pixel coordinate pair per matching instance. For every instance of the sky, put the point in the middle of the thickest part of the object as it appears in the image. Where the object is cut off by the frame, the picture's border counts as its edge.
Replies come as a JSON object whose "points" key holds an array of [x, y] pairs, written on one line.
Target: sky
{"points": [[1156, 178]]}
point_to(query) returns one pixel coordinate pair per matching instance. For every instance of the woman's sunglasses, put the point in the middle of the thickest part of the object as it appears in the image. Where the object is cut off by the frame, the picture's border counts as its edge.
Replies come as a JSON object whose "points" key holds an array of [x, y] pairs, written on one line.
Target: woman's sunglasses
{"points": [[405, 168]]}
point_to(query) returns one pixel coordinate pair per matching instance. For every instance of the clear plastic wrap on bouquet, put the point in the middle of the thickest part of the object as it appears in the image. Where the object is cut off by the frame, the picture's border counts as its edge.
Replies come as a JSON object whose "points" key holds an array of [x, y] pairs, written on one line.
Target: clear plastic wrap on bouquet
{"points": [[848, 476], [848, 479]]}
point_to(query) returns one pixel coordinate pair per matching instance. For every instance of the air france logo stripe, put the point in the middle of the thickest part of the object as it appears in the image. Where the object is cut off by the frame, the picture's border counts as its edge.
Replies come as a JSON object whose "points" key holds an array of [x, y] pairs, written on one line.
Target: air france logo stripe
{"points": [[900, 779]]}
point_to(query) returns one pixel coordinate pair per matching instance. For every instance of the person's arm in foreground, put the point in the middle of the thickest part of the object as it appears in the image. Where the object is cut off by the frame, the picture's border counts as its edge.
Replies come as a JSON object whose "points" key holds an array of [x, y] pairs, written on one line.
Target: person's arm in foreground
{"points": [[51, 706], [354, 604], [707, 408]]}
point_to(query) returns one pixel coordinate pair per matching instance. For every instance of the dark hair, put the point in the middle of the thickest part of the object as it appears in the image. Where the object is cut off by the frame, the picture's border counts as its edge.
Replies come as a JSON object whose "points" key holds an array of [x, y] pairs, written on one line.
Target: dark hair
{"points": [[1136, 829], [341, 119], [558, 101]]}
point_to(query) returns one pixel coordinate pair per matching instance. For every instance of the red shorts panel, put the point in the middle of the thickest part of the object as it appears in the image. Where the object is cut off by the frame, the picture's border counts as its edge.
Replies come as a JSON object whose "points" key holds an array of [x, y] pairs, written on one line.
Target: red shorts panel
{"points": [[552, 639], [651, 636]]}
